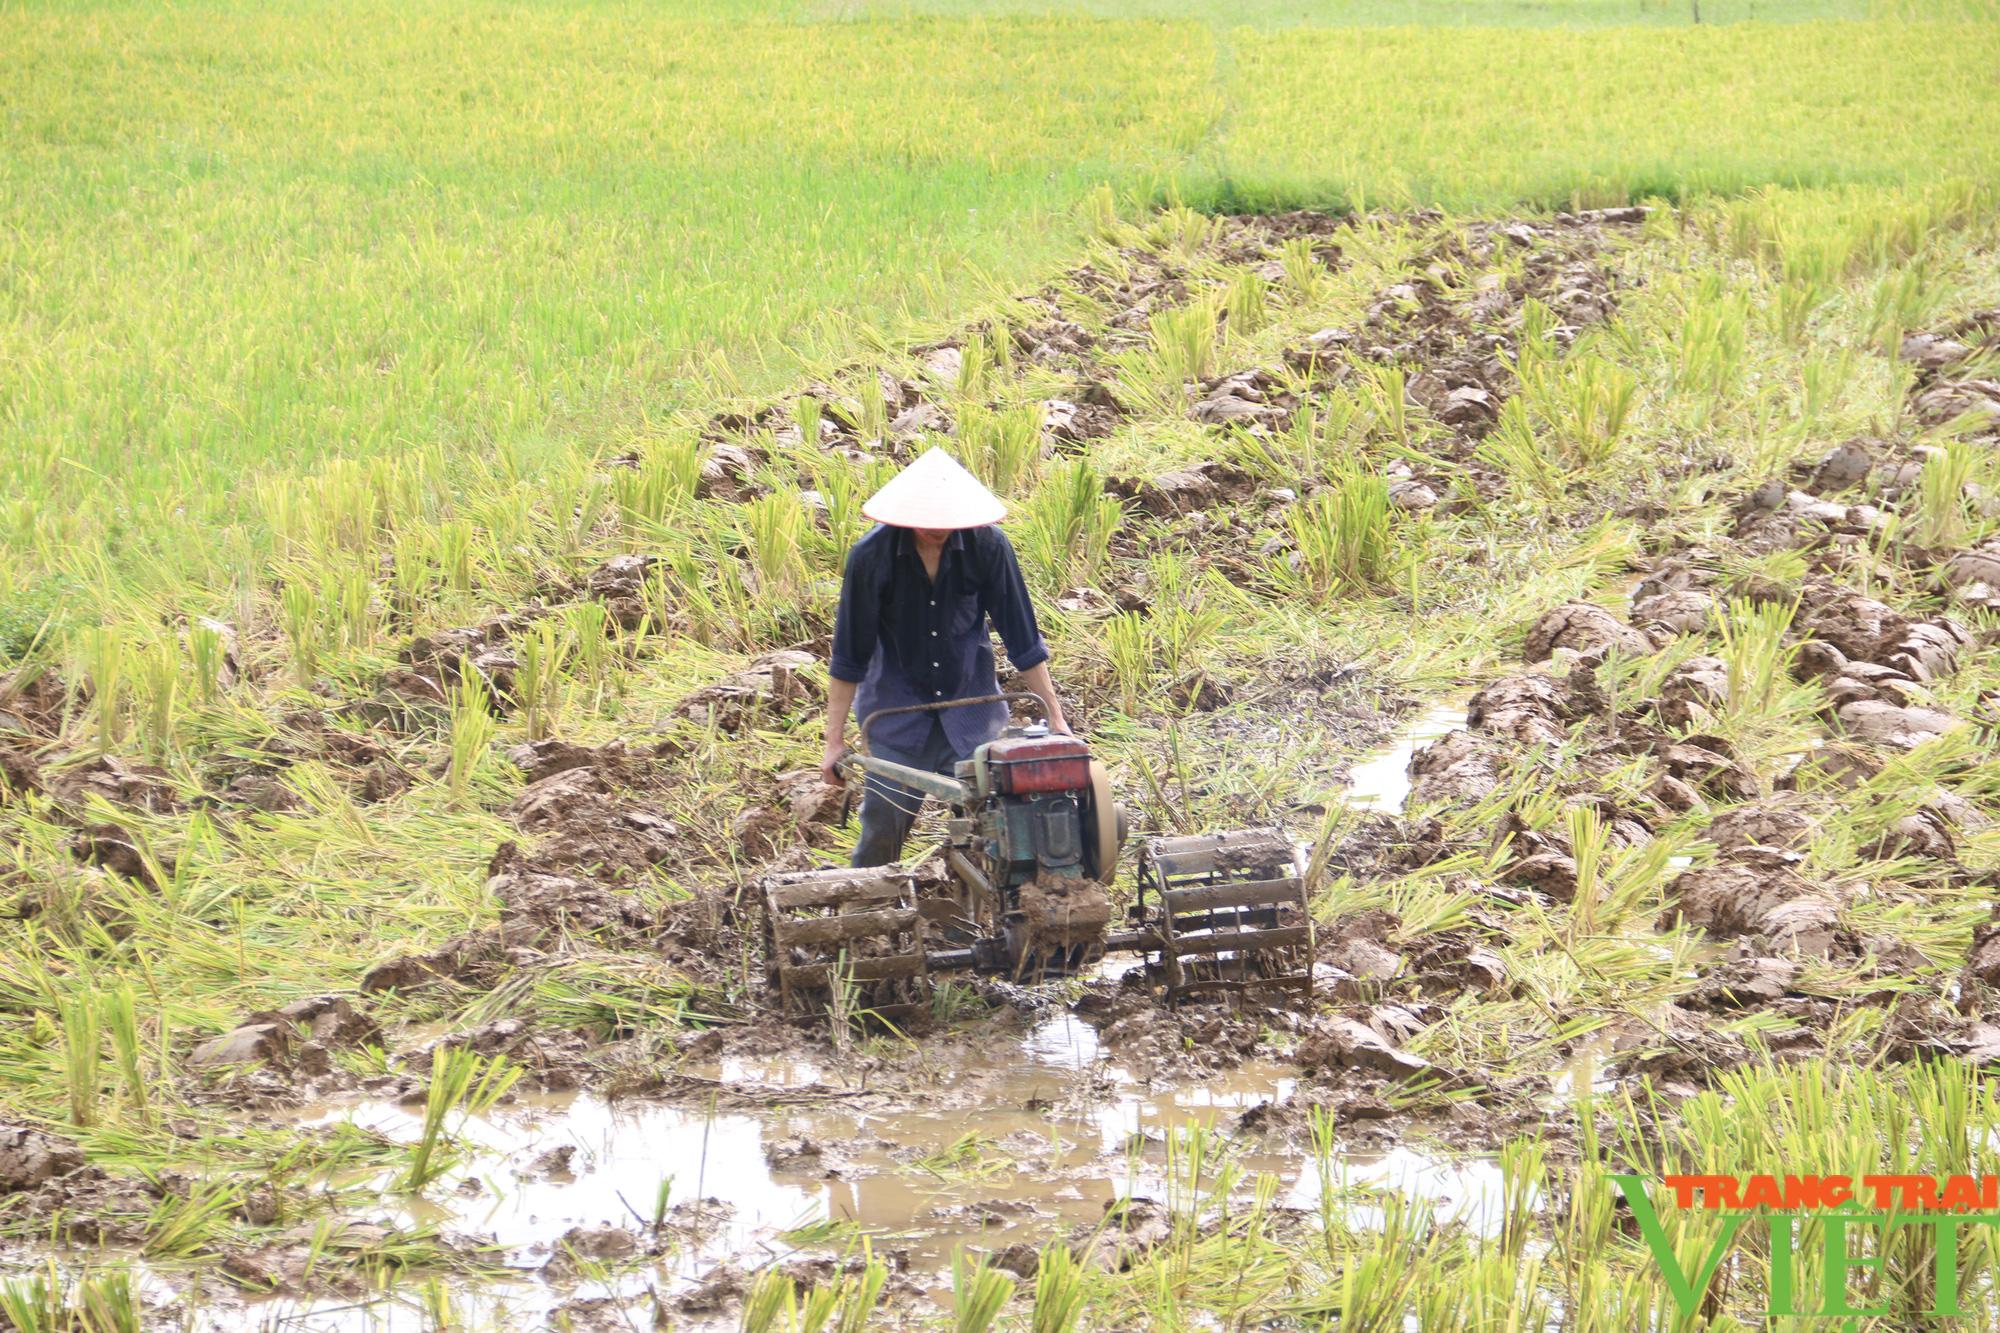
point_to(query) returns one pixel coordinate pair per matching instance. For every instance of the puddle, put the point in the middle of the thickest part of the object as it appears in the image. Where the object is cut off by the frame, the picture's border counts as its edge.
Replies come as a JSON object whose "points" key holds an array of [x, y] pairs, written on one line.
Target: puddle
{"points": [[1382, 783], [1044, 1153], [1044, 1136], [778, 1073], [498, 1307], [1113, 967], [1045, 1150], [1471, 1192], [1588, 1069], [1027, 1175], [1064, 1041], [620, 1159]]}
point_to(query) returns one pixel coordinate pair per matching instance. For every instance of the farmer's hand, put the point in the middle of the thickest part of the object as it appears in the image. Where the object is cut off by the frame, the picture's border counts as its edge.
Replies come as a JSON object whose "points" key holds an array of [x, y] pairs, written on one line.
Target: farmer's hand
{"points": [[829, 762]]}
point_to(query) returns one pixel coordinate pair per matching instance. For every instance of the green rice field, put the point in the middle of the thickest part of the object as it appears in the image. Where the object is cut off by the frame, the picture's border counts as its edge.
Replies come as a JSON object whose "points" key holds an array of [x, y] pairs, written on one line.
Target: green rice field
{"points": [[246, 240]]}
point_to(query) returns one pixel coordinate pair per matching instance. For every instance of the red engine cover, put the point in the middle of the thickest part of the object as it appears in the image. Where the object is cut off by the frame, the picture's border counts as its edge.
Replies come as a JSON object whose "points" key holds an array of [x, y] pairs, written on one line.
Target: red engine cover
{"points": [[1021, 765]]}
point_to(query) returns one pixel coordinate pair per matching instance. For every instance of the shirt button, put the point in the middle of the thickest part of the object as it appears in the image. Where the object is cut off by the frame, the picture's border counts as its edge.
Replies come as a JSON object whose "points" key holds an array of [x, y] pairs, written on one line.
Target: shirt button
{"points": [[934, 664], [933, 634], [937, 694], [933, 601]]}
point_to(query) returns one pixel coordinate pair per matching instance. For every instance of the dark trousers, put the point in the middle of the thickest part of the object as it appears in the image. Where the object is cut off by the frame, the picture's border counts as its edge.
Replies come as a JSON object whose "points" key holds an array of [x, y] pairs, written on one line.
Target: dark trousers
{"points": [[889, 808]]}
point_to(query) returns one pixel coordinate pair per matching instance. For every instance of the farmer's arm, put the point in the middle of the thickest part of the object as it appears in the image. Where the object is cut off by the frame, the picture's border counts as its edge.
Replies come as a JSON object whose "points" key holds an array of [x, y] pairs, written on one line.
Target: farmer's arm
{"points": [[855, 630], [1037, 681], [1013, 614], [839, 702]]}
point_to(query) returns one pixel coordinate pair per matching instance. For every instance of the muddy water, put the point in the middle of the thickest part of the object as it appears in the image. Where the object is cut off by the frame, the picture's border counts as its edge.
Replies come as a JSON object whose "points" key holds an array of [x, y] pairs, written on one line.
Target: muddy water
{"points": [[1054, 1141], [1382, 782]]}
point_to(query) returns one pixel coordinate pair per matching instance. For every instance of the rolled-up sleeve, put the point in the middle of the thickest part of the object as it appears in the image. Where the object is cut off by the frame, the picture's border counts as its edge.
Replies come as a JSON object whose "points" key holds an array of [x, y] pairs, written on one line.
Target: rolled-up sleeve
{"points": [[856, 625], [1009, 607]]}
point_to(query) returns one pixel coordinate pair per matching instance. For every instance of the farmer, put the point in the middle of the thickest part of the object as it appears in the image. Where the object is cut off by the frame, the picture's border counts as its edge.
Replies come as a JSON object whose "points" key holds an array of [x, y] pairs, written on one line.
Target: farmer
{"points": [[914, 606]]}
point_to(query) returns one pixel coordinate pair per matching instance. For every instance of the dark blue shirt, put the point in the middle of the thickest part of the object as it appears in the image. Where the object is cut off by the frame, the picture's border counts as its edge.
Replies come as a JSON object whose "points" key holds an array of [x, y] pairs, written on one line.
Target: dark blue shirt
{"points": [[908, 640]]}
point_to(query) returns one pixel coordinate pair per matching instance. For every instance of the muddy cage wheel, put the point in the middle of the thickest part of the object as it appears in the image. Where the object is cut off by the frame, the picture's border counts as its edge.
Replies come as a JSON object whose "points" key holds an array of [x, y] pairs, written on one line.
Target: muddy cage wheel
{"points": [[1228, 913], [863, 926]]}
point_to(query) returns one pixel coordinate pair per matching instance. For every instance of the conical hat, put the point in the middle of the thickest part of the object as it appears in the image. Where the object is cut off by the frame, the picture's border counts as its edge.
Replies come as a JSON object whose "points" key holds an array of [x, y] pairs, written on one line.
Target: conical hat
{"points": [[935, 492]]}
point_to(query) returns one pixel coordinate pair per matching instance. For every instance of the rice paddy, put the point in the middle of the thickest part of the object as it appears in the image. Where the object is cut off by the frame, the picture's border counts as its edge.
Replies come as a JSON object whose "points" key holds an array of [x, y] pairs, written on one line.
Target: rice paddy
{"points": [[245, 246], [431, 439]]}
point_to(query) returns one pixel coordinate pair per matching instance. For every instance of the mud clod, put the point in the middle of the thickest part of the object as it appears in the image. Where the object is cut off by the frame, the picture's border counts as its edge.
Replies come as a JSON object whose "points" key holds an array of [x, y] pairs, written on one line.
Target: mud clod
{"points": [[1759, 895], [539, 908], [1925, 833], [581, 1245], [720, 1289], [1068, 423], [118, 850], [773, 684], [1324, 349], [33, 701], [445, 656], [330, 1020], [808, 799], [539, 760], [1693, 692], [1581, 627], [470, 957], [800, 1157], [264, 792], [1198, 692], [1975, 401], [29, 1157], [1528, 709], [1781, 822], [1982, 961], [1928, 650], [1676, 611], [145, 787], [1932, 352], [1844, 467], [1250, 398], [1455, 767], [1197, 488], [1747, 983], [1133, 1228], [727, 474], [1713, 772], [1348, 1043], [249, 1044], [20, 774], [1900, 728], [1974, 576], [1059, 914], [1364, 961], [1412, 495], [555, 800], [1861, 627], [1673, 794]]}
